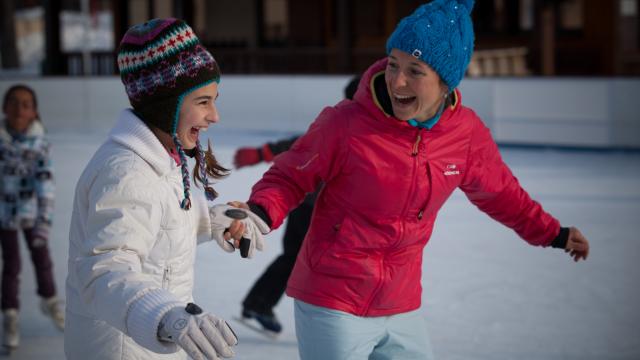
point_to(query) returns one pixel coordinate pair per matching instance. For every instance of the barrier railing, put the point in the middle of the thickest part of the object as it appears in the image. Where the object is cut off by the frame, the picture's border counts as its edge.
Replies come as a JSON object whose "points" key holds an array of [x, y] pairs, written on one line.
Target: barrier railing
{"points": [[499, 62]]}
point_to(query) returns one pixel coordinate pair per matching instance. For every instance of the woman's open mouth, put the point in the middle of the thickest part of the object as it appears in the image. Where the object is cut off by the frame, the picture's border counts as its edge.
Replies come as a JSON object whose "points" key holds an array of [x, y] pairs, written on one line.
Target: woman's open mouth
{"points": [[403, 99]]}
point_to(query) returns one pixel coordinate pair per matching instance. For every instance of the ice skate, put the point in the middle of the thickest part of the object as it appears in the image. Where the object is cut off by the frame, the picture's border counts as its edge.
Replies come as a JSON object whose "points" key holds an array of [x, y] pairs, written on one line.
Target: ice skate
{"points": [[11, 333], [53, 307], [265, 324]]}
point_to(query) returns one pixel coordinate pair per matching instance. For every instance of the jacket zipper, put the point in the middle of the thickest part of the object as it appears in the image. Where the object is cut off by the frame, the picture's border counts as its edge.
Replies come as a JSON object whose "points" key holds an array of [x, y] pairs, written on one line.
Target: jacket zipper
{"points": [[165, 277], [414, 154], [424, 207], [416, 148], [416, 144]]}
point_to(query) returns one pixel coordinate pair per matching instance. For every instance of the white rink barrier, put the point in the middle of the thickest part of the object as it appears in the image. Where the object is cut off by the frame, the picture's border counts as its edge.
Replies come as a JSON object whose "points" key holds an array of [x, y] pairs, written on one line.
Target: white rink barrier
{"points": [[576, 112]]}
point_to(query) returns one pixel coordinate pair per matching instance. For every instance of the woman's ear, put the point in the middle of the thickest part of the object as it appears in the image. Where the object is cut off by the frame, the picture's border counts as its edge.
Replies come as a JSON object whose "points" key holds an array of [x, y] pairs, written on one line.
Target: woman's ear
{"points": [[444, 88]]}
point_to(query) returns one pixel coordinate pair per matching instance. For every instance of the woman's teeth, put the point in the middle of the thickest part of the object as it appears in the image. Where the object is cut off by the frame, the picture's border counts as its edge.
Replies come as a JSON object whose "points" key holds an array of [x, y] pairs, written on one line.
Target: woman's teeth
{"points": [[402, 99]]}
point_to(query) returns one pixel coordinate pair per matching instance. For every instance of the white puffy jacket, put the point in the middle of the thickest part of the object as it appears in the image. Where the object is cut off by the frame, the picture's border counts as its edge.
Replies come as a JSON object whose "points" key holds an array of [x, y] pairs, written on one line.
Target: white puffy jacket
{"points": [[132, 248]]}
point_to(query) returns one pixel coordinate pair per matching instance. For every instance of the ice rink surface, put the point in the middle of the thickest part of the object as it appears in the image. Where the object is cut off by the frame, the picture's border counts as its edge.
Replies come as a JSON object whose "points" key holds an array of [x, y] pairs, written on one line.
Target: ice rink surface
{"points": [[486, 293]]}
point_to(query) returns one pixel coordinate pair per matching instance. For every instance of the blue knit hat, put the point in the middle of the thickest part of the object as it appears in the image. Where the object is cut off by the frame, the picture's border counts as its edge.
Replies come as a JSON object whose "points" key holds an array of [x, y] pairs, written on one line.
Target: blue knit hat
{"points": [[439, 33]]}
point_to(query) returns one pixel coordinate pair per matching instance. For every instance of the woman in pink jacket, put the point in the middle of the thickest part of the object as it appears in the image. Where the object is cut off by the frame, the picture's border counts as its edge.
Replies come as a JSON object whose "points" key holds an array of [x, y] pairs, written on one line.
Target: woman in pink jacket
{"points": [[389, 160]]}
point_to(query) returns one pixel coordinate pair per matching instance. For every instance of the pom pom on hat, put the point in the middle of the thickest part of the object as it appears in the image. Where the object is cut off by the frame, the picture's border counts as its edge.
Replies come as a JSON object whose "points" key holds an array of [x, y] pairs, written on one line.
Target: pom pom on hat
{"points": [[439, 33]]}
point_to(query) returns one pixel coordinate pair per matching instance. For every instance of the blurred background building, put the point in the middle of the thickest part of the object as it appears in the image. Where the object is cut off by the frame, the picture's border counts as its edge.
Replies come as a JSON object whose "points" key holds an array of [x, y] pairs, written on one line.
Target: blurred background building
{"points": [[562, 73], [513, 38]]}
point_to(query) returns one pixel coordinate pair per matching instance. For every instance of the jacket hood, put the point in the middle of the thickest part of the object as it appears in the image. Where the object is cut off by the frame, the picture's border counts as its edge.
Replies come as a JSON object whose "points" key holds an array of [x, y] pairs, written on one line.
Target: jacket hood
{"points": [[372, 98], [133, 134]]}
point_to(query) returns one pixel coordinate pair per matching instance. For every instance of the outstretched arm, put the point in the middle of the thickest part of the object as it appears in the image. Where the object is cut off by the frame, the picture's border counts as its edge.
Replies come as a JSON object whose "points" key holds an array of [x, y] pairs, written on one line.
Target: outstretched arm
{"points": [[246, 156], [491, 186]]}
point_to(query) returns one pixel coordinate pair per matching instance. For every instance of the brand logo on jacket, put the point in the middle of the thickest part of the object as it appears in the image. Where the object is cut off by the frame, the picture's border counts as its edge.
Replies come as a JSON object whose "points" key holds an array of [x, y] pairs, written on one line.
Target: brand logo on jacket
{"points": [[451, 169]]}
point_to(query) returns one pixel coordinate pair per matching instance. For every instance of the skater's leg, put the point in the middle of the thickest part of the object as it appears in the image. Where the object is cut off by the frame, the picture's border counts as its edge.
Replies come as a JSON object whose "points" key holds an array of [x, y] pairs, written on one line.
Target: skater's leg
{"points": [[406, 338], [297, 227], [330, 334], [41, 259], [10, 269], [42, 264], [10, 283]]}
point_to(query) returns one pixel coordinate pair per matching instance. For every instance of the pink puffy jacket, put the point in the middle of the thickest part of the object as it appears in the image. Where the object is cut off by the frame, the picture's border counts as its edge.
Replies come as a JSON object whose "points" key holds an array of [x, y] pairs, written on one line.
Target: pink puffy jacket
{"points": [[384, 184]]}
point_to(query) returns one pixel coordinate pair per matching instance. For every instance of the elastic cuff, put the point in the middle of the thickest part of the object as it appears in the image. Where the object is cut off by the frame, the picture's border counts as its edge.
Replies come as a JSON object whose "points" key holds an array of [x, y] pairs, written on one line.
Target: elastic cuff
{"points": [[262, 214], [267, 154], [41, 232], [144, 317], [560, 242], [41, 228]]}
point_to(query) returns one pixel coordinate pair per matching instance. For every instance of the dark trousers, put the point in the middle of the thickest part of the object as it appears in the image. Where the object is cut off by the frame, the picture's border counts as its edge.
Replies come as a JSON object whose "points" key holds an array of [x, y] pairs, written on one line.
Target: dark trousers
{"points": [[267, 291], [11, 266]]}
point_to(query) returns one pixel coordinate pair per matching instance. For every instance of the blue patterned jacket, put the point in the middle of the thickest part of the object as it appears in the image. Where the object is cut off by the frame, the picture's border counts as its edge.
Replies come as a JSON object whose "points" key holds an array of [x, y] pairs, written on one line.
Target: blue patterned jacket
{"points": [[27, 189]]}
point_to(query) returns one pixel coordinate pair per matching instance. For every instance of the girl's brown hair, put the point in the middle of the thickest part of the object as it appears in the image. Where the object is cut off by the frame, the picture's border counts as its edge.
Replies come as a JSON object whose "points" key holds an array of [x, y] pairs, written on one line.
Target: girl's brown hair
{"points": [[210, 165]]}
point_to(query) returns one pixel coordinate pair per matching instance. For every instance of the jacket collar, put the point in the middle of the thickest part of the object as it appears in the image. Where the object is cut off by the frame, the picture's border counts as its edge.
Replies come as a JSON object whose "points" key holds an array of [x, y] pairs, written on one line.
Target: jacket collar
{"points": [[135, 135], [35, 130], [373, 95]]}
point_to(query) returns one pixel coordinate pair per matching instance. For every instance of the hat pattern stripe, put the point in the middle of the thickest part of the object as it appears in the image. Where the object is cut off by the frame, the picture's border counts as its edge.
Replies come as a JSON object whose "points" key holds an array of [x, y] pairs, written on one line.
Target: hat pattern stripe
{"points": [[175, 41], [165, 74], [145, 32]]}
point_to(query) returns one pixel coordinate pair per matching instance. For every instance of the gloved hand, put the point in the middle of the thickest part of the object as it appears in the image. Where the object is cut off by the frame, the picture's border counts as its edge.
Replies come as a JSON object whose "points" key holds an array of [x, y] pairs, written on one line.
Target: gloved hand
{"points": [[222, 215], [246, 156], [202, 335]]}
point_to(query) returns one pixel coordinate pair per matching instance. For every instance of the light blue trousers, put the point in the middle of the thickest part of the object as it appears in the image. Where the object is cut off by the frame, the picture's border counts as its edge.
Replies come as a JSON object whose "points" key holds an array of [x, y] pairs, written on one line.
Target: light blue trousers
{"points": [[331, 334]]}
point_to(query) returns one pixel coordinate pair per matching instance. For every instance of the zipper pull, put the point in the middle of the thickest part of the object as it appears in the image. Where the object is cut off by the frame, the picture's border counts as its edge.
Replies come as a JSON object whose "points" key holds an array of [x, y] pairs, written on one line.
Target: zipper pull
{"points": [[416, 144]]}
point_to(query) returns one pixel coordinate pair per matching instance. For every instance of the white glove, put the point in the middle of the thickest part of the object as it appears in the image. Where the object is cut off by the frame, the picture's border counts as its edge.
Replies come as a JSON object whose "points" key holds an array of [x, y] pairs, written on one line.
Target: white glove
{"points": [[203, 336], [222, 215]]}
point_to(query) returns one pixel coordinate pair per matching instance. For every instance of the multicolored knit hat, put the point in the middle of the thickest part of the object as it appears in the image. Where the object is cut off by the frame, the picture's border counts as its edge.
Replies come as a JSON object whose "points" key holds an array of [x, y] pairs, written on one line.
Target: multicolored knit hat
{"points": [[160, 62], [439, 33]]}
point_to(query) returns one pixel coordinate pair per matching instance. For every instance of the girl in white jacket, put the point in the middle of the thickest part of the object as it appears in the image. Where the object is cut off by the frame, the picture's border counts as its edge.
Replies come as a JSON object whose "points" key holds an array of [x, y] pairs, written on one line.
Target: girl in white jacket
{"points": [[136, 224]]}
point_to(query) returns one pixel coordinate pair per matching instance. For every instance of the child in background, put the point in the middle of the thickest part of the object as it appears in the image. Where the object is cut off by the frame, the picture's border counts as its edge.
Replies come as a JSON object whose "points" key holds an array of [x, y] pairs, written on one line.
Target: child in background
{"points": [[26, 204]]}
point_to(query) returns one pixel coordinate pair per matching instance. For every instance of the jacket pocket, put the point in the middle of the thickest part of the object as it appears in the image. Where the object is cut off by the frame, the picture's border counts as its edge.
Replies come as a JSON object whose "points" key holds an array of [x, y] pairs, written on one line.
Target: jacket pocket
{"points": [[342, 256], [325, 244]]}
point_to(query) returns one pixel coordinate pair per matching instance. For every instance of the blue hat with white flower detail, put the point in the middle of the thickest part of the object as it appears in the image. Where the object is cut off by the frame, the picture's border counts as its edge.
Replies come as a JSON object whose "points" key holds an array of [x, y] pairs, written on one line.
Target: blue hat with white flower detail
{"points": [[439, 33]]}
